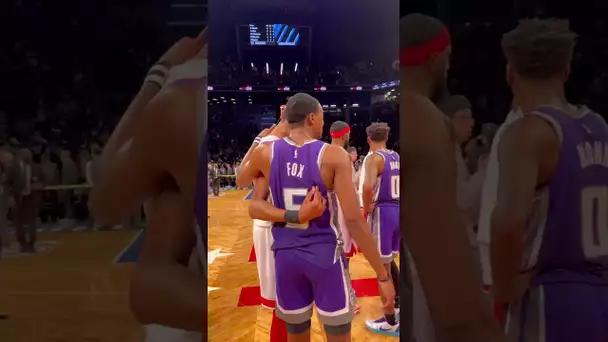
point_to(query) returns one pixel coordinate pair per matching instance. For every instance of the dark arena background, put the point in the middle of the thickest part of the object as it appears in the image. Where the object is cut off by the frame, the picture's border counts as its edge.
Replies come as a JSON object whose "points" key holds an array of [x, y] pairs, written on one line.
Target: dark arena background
{"points": [[70, 70]]}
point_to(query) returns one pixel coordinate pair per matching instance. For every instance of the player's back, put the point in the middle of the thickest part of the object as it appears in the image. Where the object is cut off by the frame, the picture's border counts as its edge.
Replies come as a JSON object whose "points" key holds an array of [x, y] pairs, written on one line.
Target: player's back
{"points": [[567, 234], [386, 190], [294, 171]]}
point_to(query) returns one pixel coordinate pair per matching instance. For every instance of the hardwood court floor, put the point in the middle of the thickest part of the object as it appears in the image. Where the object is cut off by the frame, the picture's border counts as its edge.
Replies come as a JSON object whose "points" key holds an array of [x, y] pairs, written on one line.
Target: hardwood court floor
{"points": [[233, 280], [72, 293]]}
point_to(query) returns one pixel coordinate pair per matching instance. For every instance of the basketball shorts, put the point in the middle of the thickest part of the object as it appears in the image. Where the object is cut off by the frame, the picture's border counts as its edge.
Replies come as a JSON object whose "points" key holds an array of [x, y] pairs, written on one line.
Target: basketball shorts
{"points": [[262, 242], [560, 312], [385, 228], [300, 283]]}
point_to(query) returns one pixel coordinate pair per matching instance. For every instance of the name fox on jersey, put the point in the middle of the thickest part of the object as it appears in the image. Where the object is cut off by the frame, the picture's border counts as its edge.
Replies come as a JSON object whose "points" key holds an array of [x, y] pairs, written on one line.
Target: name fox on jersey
{"points": [[295, 169], [596, 154]]}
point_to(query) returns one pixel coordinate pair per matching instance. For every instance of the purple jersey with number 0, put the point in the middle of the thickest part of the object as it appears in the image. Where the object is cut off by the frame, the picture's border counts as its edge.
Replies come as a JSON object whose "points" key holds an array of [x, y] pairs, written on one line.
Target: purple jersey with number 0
{"points": [[387, 185], [567, 232]]}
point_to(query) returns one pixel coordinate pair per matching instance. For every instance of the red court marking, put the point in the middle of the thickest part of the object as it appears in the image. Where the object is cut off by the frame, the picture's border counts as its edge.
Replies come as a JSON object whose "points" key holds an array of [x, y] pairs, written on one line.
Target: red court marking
{"points": [[250, 295], [252, 255], [367, 287]]}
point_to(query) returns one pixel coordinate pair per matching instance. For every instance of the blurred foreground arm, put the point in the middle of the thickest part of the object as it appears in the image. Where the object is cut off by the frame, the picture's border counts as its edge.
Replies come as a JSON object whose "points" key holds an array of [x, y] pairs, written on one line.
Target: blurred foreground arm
{"points": [[139, 158], [163, 290], [431, 221]]}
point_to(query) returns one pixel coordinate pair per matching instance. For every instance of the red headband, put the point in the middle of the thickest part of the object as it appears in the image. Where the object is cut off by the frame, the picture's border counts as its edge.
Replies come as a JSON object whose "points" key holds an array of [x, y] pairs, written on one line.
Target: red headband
{"points": [[419, 54], [340, 133]]}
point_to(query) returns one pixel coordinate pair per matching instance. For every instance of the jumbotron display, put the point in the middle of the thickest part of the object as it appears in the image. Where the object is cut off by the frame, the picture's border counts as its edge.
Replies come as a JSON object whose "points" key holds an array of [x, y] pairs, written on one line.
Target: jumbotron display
{"points": [[273, 34]]}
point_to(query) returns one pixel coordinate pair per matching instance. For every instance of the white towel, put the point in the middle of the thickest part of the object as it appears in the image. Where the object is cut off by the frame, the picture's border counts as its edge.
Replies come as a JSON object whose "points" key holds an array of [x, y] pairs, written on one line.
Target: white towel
{"points": [[488, 199]]}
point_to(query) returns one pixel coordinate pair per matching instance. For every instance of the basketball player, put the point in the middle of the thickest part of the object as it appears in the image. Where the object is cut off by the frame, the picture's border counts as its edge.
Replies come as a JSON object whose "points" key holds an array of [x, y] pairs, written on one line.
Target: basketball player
{"points": [[262, 235], [340, 136], [309, 262], [140, 162], [381, 203], [431, 220], [549, 235], [488, 201]]}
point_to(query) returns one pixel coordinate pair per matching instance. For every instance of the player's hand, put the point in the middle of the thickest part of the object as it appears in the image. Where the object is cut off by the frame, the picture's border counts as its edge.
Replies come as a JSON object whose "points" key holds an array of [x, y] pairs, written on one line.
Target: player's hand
{"points": [[388, 289], [314, 205], [266, 131], [184, 49], [369, 208]]}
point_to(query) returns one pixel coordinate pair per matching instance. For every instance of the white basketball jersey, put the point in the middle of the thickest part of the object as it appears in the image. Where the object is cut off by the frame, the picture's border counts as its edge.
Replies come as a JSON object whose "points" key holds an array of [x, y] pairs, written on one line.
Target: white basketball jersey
{"points": [[261, 223], [488, 199], [362, 178]]}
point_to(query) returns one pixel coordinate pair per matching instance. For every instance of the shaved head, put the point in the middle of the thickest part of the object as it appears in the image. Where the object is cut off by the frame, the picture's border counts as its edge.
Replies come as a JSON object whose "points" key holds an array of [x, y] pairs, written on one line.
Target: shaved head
{"points": [[416, 29], [299, 107], [424, 53], [337, 126]]}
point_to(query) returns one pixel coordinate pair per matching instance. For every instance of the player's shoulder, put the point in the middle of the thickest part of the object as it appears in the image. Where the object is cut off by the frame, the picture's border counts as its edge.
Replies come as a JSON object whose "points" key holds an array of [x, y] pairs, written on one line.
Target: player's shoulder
{"points": [[530, 133], [334, 154], [269, 138]]}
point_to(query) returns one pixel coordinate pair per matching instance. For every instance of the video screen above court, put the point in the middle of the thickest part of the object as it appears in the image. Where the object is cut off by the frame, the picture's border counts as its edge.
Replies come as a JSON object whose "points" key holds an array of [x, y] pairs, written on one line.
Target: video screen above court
{"points": [[262, 59]]}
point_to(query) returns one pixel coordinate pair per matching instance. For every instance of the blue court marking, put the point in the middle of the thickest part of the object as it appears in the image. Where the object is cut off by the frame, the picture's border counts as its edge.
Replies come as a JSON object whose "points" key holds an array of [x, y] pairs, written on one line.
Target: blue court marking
{"points": [[131, 252], [249, 195]]}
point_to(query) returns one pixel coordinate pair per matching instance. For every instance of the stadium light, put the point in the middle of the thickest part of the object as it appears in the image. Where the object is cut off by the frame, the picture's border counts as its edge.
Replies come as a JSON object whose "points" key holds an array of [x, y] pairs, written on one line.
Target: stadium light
{"points": [[267, 68], [281, 72], [295, 68]]}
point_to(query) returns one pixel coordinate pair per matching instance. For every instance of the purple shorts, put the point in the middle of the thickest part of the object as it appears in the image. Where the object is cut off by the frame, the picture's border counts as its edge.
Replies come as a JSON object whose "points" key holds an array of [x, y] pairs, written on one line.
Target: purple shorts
{"points": [[385, 228], [301, 282], [560, 312]]}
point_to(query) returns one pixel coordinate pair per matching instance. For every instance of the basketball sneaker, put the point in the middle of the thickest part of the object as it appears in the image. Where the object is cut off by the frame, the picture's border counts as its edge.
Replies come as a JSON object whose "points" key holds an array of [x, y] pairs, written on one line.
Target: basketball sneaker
{"points": [[381, 326]]}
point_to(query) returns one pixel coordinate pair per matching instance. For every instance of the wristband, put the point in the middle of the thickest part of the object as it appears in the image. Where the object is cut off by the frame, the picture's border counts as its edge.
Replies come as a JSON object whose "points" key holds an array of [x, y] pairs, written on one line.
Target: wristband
{"points": [[384, 280], [257, 140], [157, 75], [292, 216]]}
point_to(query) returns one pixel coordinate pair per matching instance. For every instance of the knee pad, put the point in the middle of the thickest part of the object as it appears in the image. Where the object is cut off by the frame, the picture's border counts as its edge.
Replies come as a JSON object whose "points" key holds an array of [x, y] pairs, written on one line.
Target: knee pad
{"points": [[337, 330], [298, 328]]}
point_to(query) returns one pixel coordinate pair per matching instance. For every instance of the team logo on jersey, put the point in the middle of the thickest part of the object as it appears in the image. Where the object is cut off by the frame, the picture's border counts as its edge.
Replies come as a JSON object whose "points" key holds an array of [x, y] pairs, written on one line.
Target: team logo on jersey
{"points": [[295, 154]]}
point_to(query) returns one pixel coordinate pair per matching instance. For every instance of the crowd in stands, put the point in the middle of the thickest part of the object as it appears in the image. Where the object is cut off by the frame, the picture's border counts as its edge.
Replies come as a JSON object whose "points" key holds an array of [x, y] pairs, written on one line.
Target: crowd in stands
{"points": [[63, 96]]}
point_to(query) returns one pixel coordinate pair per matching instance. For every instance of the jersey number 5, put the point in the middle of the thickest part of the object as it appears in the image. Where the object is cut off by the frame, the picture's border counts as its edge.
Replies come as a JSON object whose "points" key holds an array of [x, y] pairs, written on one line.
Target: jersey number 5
{"points": [[395, 187], [289, 195], [594, 213]]}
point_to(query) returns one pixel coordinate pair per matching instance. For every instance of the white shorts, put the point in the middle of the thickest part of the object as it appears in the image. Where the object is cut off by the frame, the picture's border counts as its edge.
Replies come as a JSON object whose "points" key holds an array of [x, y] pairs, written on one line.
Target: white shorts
{"points": [[424, 329], [262, 242]]}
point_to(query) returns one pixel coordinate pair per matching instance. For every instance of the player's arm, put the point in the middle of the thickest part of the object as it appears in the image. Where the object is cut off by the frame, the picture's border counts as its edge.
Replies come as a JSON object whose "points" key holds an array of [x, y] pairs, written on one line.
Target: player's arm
{"points": [[372, 170], [129, 172], [356, 225], [259, 208], [256, 142], [520, 155], [431, 221], [249, 169], [163, 290]]}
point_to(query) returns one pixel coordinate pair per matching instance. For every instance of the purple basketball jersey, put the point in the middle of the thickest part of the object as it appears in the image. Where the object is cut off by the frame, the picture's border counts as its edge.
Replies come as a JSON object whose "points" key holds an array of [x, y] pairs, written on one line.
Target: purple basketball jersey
{"points": [[387, 186], [294, 171], [567, 233]]}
